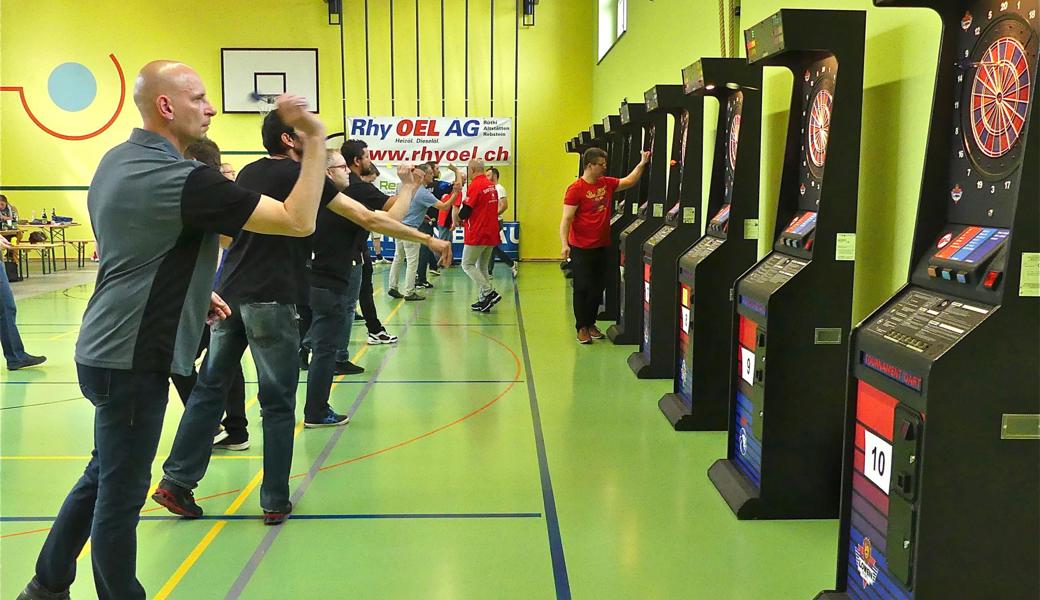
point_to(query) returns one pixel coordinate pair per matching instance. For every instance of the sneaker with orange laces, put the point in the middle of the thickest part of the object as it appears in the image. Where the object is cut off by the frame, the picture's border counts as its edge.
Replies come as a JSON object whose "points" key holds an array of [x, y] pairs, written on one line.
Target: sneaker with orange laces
{"points": [[583, 336], [595, 333]]}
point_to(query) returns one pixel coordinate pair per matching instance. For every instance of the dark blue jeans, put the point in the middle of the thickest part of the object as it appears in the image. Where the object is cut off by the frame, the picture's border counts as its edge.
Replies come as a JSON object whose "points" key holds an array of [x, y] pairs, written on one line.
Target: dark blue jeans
{"points": [[105, 504], [14, 351], [329, 334], [270, 330]]}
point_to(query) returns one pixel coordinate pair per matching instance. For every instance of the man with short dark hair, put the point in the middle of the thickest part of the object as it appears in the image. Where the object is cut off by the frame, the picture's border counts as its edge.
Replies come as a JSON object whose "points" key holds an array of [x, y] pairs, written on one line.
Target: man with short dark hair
{"points": [[264, 277], [156, 217], [503, 205], [585, 235]]}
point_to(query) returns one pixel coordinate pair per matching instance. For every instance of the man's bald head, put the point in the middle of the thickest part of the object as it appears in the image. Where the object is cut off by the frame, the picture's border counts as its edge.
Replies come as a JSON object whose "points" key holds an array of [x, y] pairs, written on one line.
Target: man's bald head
{"points": [[475, 167], [172, 101]]}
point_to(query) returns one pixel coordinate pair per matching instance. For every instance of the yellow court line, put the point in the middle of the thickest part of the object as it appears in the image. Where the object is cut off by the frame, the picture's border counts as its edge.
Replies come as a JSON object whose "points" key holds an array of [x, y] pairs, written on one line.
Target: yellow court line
{"points": [[61, 335], [215, 530]]}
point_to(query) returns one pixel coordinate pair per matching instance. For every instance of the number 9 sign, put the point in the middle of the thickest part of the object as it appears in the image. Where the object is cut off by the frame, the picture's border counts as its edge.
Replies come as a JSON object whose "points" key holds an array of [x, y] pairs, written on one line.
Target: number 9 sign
{"points": [[747, 365]]}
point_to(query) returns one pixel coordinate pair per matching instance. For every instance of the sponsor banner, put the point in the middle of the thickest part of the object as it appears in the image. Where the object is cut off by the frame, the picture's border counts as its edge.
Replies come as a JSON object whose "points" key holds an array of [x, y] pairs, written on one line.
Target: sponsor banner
{"points": [[509, 238], [444, 140]]}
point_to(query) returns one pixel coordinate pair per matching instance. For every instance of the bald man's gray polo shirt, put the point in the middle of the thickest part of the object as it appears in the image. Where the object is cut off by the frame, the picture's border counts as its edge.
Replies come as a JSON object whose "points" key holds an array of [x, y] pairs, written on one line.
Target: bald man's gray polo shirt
{"points": [[155, 216]]}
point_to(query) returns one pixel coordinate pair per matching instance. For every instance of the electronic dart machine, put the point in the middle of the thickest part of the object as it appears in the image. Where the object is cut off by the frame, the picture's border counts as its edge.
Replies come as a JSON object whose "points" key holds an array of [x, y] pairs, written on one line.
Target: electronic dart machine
{"points": [[574, 147], [616, 147], [941, 494], [789, 350], [661, 100], [700, 397], [661, 251]]}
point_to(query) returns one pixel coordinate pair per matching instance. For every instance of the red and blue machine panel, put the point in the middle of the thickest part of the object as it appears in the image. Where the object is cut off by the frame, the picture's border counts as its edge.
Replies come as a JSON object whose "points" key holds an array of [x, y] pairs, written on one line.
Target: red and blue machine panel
{"points": [[747, 449]]}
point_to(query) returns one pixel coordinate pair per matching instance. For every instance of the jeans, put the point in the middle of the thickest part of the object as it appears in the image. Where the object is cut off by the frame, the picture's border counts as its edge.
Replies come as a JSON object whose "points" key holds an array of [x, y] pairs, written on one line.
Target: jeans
{"points": [[426, 258], [589, 267], [105, 504], [14, 350], [330, 333], [365, 297], [270, 331], [500, 254], [408, 254], [475, 261], [235, 423]]}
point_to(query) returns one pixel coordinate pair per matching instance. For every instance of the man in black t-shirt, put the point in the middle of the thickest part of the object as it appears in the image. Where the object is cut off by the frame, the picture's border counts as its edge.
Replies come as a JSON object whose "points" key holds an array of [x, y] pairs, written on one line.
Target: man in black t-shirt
{"points": [[263, 278]]}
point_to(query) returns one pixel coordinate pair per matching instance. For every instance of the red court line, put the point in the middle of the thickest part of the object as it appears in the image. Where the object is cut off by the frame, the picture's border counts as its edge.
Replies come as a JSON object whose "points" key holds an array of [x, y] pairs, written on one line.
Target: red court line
{"points": [[516, 379]]}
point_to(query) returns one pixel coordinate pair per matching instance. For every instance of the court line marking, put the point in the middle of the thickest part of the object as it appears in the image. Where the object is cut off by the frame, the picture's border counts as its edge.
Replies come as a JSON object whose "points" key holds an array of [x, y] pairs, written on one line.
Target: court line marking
{"points": [[552, 522], [211, 535]]}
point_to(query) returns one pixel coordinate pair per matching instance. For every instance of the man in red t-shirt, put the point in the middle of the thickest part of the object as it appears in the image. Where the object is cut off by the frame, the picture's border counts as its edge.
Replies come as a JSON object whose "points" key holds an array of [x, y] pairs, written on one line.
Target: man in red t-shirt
{"points": [[585, 234], [479, 215]]}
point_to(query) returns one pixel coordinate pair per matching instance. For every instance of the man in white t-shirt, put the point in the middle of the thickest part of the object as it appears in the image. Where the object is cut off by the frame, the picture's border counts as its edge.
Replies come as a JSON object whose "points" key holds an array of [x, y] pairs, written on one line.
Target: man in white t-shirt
{"points": [[503, 204]]}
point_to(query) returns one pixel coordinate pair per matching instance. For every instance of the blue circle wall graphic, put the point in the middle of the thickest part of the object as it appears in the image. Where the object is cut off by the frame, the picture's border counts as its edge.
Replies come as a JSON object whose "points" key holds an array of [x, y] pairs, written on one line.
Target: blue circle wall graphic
{"points": [[72, 86]]}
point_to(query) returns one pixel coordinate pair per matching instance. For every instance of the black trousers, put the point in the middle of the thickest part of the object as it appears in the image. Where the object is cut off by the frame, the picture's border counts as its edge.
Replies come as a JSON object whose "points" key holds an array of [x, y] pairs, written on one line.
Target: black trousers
{"points": [[589, 268], [365, 299], [235, 422], [427, 260]]}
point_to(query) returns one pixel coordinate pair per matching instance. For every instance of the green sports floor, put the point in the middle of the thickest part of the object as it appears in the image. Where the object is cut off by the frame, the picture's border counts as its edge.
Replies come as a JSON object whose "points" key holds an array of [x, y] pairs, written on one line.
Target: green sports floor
{"points": [[488, 456]]}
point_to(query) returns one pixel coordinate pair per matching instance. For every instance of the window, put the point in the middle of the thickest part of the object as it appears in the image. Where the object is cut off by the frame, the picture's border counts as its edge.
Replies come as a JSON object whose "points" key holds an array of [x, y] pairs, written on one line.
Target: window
{"points": [[613, 21]]}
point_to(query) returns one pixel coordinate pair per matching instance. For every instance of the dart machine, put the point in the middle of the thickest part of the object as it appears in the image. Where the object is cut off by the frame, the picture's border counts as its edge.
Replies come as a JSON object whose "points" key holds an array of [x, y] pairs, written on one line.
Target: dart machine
{"points": [[941, 487], [661, 251], [661, 100], [792, 310], [700, 397], [629, 135]]}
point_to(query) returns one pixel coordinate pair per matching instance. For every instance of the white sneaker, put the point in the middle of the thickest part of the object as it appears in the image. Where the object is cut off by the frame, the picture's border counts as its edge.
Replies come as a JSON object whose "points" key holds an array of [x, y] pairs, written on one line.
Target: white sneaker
{"points": [[381, 338], [515, 270], [220, 435]]}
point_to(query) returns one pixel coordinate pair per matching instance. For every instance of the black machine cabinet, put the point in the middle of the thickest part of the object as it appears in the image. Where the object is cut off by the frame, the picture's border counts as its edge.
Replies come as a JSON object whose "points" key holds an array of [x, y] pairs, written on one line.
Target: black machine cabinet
{"points": [[660, 101], [629, 131], [793, 310], [617, 141], [941, 485], [700, 397], [661, 251]]}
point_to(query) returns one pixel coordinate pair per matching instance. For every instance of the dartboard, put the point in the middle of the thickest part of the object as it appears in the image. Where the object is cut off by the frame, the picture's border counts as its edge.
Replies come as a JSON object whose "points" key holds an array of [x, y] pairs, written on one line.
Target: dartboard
{"points": [[819, 127], [1000, 97], [734, 141]]}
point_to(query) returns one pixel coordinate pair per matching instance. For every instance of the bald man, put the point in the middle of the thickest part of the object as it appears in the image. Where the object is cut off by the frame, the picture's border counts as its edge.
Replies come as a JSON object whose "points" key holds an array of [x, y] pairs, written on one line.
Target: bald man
{"points": [[479, 216], [156, 217]]}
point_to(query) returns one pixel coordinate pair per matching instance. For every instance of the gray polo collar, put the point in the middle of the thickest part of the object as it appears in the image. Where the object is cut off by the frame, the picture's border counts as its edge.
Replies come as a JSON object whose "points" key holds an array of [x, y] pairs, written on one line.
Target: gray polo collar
{"points": [[150, 139]]}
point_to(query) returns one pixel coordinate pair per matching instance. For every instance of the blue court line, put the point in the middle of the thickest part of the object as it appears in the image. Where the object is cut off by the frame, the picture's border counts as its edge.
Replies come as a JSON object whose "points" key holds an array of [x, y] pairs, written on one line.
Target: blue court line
{"points": [[319, 517], [552, 521]]}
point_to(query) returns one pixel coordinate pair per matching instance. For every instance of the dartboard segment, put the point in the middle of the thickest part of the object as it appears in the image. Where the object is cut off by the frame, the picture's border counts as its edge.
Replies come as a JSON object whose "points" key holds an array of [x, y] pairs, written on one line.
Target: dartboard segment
{"points": [[1000, 96], [819, 127]]}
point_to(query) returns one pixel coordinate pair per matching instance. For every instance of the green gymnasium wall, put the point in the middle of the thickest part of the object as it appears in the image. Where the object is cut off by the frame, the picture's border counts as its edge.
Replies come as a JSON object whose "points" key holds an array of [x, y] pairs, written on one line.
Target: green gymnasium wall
{"points": [[41, 171], [901, 48]]}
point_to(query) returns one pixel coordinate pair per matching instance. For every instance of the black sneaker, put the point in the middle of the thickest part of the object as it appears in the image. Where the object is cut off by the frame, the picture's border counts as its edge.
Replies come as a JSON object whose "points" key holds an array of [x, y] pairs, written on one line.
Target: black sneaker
{"points": [[272, 517], [232, 443], [359, 317], [35, 591], [176, 499], [426, 285], [393, 293], [331, 419], [486, 305], [348, 368], [381, 338], [28, 361], [305, 358], [434, 272], [413, 297], [495, 297], [480, 302]]}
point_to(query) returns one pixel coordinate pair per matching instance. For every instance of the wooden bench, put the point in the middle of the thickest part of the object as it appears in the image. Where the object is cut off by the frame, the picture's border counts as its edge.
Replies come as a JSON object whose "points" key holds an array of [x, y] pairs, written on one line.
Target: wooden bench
{"points": [[81, 250], [46, 252]]}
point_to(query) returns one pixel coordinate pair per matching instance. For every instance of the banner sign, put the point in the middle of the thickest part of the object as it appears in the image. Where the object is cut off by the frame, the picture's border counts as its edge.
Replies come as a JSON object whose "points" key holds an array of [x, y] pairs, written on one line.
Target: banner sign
{"points": [[445, 140], [509, 237]]}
